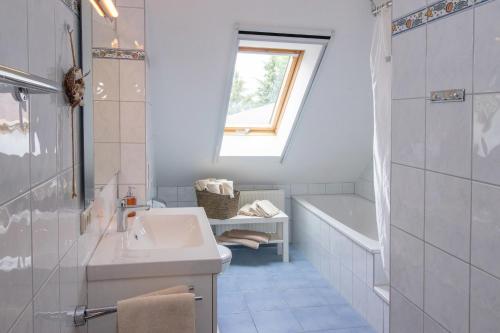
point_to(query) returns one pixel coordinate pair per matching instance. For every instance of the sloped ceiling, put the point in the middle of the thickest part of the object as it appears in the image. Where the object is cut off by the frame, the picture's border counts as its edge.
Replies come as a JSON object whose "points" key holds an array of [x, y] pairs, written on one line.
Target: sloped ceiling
{"points": [[189, 44]]}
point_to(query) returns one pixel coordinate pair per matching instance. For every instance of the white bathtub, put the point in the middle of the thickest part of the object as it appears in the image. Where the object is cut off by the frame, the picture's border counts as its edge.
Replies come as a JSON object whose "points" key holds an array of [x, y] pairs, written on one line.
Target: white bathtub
{"points": [[351, 215], [338, 234]]}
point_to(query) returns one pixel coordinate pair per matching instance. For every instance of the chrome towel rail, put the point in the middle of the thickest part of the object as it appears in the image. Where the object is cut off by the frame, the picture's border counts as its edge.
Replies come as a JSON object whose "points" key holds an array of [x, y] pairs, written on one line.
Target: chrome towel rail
{"points": [[82, 314], [34, 84]]}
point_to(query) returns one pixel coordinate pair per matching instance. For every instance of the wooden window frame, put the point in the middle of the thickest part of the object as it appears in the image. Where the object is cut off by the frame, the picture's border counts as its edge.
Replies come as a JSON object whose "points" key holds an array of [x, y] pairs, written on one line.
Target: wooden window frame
{"points": [[284, 95]]}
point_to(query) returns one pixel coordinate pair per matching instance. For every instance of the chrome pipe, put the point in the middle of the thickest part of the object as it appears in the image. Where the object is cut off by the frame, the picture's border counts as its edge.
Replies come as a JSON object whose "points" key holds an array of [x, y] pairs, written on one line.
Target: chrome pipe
{"points": [[377, 8]]}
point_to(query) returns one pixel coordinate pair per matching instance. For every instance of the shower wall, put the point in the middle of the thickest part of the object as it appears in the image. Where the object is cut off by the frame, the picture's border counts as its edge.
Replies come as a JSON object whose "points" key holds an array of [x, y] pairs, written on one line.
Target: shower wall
{"points": [[445, 225]]}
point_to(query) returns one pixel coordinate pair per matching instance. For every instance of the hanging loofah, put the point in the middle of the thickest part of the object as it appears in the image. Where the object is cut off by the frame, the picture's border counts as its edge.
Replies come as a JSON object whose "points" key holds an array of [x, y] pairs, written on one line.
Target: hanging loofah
{"points": [[74, 87]]}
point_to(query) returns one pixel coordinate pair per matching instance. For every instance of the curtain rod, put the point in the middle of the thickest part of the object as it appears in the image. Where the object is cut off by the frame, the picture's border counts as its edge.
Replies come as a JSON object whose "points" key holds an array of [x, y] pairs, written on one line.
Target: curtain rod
{"points": [[377, 8]]}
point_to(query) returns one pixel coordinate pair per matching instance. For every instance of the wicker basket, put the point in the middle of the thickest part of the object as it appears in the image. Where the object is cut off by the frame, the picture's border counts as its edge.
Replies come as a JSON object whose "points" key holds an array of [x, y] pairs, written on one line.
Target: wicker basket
{"points": [[218, 206]]}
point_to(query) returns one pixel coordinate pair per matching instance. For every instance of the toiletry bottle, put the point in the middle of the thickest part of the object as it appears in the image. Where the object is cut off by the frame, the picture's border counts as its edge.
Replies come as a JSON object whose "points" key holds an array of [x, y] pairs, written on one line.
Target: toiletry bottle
{"points": [[130, 200]]}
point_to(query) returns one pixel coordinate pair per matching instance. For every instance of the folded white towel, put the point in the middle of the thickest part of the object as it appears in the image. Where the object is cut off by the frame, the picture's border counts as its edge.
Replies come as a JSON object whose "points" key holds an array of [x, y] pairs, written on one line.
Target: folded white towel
{"points": [[260, 208], [266, 208], [217, 186], [214, 187], [227, 188]]}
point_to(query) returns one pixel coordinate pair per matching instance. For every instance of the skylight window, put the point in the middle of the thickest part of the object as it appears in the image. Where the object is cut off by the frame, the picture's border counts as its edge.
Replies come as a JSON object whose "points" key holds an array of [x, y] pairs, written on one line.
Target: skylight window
{"points": [[271, 77], [262, 82]]}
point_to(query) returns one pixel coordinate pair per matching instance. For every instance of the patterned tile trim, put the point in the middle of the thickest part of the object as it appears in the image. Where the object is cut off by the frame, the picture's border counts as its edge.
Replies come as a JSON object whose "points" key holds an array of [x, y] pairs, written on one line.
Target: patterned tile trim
{"points": [[74, 5], [446, 7], [409, 22], [118, 54], [431, 13]]}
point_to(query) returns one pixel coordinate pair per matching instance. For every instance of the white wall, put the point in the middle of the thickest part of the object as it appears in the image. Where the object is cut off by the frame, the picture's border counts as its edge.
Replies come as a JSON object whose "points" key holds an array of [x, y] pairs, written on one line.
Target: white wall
{"points": [[188, 45]]}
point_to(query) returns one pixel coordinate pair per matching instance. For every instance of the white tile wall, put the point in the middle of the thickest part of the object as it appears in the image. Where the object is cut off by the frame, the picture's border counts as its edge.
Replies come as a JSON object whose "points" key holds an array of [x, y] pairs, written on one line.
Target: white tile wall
{"points": [[485, 228], [446, 290], [407, 199], [364, 185], [132, 80], [447, 213], [408, 54], [450, 53], [485, 302], [41, 245], [130, 27], [403, 7], [122, 81], [486, 142], [132, 114], [405, 317], [407, 266], [408, 134], [449, 133], [105, 78], [106, 121], [486, 48], [458, 242]]}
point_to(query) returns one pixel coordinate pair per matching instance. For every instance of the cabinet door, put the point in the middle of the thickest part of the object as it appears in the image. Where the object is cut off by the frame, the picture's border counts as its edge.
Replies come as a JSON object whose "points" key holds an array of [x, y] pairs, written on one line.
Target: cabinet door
{"points": [[105, 293]]}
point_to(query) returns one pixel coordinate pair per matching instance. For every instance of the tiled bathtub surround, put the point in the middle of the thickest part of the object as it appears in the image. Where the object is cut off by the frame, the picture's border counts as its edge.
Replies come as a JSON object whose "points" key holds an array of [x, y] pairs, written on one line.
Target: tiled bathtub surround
{"points": [[446, 178], [347, 266]]}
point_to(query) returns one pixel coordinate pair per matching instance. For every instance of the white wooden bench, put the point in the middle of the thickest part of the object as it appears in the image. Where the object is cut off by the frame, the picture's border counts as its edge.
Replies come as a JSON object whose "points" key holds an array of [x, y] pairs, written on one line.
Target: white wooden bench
{"points": [[277, 226]]}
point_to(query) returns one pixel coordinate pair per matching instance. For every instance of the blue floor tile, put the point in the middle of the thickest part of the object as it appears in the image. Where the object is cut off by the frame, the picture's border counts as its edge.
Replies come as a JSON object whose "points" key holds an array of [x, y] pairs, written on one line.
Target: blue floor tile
{"points": [[236, 323], [350, 330], [304, 297], [227, 284], [265, 301], [317, 318], [230, 303], [260, 294], [278, 321], [347, 316], [331, 296]]}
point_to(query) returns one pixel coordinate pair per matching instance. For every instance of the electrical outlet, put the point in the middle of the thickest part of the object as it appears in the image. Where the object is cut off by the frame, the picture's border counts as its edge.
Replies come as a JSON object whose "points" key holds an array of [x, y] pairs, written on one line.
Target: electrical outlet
{"points": [[85, 219]]}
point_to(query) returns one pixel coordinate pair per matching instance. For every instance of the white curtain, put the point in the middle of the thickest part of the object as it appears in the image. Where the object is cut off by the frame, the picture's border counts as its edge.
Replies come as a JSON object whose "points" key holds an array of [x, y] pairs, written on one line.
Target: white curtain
{"points": [[380, 62]]}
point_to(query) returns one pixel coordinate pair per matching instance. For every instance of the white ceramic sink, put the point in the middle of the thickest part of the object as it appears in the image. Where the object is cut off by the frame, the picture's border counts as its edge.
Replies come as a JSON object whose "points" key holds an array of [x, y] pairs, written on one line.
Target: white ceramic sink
{"points": [[158, 242], [153, 230]]}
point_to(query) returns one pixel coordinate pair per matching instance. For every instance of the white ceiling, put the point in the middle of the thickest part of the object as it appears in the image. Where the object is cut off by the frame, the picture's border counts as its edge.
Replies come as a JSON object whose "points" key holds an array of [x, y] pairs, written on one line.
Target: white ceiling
{"points": [[189, 44]]}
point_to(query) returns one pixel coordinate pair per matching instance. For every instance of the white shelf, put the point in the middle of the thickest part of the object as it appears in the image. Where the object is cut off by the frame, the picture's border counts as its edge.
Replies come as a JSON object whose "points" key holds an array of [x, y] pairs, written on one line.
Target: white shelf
{"points": [[242, 219]]}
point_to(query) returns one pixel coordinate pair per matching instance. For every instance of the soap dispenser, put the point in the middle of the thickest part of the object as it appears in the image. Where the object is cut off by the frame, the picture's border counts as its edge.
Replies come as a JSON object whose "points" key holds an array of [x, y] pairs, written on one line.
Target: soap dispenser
{"points": [[130, 200]]}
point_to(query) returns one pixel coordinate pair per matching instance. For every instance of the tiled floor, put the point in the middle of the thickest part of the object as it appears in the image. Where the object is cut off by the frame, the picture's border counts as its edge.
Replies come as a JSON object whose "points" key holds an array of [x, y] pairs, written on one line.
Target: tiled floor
{"points": [[261, 294]]}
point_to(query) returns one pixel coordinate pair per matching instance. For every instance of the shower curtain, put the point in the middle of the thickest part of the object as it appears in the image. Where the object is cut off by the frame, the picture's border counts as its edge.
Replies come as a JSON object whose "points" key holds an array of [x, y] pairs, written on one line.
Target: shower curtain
{"points": [[380, 63]]}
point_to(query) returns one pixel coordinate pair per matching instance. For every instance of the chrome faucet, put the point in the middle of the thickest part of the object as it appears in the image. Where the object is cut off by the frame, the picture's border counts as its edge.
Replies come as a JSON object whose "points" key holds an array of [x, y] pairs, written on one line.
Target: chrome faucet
{"points": [[122, 212]]}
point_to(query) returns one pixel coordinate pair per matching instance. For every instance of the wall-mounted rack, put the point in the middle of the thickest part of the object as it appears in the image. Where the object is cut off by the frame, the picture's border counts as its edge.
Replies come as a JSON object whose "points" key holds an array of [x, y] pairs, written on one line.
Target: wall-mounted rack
{"points": [[451, 95], [82, 314], [28, 82]]}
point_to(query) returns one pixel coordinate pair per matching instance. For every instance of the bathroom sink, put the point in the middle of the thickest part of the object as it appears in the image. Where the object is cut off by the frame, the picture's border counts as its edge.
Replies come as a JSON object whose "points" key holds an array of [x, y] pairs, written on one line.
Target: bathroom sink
{"points": [[158, 242], [151, 231]]}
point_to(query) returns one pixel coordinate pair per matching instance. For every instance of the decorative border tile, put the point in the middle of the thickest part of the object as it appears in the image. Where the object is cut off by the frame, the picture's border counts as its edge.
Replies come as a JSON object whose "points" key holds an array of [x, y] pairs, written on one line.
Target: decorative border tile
{"points": [[435, 11], [409, 22], [73, 5], [446, 7], [118, 54]]}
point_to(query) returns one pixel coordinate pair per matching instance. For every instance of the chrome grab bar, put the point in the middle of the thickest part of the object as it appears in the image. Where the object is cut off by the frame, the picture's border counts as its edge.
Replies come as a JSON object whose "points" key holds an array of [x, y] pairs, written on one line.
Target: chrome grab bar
{"points": [[82, 314], [35, 84]]}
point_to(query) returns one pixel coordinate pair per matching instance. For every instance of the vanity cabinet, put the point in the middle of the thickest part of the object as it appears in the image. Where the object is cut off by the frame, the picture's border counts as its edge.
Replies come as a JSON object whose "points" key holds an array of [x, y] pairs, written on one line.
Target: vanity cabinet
{"points": [[108, 292]]}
